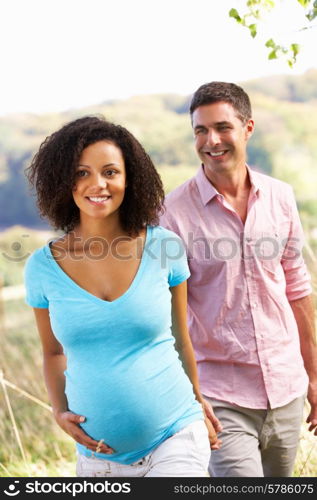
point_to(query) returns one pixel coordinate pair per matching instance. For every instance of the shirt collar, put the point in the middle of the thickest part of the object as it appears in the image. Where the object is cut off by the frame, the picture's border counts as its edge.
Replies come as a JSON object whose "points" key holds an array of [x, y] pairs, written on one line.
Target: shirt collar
{"points": [[207, 191], [254, 179]]}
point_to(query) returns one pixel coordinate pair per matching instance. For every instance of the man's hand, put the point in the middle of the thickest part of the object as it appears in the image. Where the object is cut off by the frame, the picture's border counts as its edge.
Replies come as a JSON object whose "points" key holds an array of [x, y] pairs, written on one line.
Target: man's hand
{"points": [[312, 417]]}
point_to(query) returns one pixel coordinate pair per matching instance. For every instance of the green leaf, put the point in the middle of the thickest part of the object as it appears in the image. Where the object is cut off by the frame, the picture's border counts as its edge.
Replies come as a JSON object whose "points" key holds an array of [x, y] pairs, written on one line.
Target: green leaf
{"points": [[270, 43], [295, 48], [253, 31], [265, 4], [290, 63], [235, 14], [272, 55], [312, 14], [304, 3]]}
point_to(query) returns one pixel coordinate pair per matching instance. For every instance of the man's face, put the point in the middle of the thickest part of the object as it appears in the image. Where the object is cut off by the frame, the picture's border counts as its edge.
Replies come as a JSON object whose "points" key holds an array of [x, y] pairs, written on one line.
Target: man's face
{"points": [[220, 137]]}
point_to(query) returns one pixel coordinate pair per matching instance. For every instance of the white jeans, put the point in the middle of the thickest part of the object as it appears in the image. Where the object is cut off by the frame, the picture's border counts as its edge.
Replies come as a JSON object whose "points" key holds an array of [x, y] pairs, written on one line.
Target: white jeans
{"points": [[185, 454]]}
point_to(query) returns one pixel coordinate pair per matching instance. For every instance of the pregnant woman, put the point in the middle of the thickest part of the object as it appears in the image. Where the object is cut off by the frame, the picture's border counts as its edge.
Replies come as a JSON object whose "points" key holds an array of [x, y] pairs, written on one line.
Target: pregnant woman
{"points": [[109, 298]]}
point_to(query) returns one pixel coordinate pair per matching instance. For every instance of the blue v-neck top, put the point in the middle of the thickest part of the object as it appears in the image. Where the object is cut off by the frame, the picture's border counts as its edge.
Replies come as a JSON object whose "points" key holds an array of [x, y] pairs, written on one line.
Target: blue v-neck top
{"points": [[123, 372]]}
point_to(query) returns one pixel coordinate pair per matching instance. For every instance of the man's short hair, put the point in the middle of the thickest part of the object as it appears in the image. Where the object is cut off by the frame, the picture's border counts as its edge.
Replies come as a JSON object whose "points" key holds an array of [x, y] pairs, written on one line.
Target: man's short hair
{"points": [[223, 92]]}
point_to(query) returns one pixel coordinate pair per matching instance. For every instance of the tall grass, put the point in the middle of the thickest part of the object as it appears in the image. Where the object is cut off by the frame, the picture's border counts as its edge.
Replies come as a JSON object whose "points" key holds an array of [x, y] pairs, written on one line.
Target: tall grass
{"points": [[47, 451]]}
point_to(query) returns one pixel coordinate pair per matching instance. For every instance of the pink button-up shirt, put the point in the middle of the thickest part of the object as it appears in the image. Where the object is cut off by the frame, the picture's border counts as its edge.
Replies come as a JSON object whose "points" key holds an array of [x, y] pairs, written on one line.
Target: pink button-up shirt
{"points": [[242, 278]]}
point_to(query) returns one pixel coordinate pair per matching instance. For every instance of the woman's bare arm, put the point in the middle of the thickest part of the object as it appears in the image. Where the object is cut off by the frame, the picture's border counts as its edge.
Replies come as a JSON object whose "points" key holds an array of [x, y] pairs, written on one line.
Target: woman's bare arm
{"points": [[54, 364], [185, 350]]}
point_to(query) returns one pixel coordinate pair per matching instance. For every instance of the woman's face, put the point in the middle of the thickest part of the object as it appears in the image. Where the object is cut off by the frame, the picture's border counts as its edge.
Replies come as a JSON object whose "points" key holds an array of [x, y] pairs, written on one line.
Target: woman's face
{"points": [[100, 180]]}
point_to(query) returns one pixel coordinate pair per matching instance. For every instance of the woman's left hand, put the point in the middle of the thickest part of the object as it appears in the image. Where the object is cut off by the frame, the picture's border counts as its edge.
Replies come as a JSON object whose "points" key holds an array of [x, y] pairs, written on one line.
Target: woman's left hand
{"points": [[215, 442], [213, 425]]}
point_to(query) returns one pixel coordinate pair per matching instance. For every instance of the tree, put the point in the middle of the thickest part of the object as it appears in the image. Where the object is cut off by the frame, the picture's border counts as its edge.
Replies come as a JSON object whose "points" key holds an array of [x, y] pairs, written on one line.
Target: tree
{"points": [[256, 9]]}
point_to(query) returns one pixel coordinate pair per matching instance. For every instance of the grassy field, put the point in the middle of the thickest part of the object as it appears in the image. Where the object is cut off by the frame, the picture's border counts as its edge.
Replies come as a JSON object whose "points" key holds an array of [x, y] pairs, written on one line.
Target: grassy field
{"points": [[31, 443]]}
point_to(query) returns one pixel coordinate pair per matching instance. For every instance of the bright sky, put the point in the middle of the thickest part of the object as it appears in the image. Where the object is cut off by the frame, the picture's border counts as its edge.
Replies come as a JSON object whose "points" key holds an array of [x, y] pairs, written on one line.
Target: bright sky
{"points": [[61, 54]]}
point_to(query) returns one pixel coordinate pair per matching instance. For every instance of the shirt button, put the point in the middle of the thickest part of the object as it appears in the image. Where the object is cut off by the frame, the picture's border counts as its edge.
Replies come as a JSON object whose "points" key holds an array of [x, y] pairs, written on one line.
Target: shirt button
{"points": [[254, 305], [248, 239]]}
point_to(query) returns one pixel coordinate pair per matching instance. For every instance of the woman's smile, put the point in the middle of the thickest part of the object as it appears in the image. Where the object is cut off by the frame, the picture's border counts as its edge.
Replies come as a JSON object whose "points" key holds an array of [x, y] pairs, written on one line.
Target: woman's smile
{"points": [[98, 200]]}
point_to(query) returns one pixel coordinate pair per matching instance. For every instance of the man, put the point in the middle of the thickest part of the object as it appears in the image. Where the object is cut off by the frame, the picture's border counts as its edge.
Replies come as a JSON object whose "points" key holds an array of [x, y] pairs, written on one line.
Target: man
{"points": [[250, 310]]}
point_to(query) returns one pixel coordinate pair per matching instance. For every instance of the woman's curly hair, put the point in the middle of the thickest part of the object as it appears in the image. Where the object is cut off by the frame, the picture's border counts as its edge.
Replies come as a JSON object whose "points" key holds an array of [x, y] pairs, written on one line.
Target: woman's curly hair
{"points": [[52, 173]]}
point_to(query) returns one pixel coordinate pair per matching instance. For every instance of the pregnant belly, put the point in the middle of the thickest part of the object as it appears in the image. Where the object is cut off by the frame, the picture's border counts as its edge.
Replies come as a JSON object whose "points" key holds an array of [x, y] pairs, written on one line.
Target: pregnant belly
{"points": [[130, 414], [124, 432]]}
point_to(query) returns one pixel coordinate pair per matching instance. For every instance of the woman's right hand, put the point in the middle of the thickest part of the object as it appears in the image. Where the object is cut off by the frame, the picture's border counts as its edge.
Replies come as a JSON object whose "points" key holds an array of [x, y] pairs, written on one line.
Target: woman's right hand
{"points": [[70, 423]]}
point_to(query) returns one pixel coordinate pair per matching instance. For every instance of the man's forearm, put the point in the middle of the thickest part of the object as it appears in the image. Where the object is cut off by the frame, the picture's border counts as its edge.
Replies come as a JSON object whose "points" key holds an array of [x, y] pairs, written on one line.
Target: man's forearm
{"points": [[303, 310]]}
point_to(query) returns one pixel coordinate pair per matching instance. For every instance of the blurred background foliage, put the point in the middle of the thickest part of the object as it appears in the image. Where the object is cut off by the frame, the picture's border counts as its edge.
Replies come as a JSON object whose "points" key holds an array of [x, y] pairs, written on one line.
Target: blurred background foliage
{"points": [[283, 145]]}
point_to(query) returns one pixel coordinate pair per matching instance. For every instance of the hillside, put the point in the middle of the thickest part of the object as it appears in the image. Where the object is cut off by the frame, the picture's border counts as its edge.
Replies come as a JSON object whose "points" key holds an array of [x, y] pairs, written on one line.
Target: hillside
{"points": [[283, 145]]}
